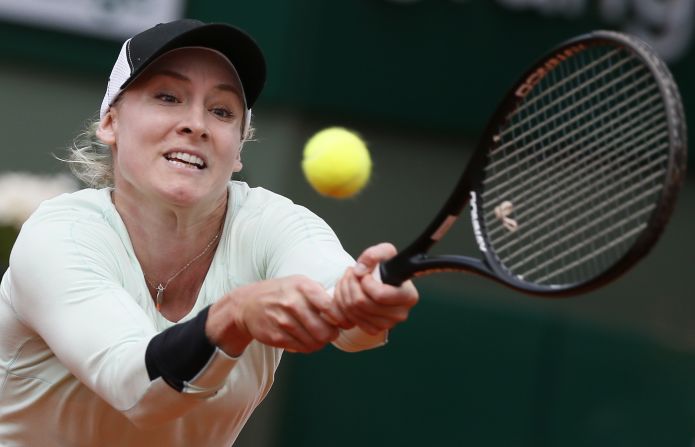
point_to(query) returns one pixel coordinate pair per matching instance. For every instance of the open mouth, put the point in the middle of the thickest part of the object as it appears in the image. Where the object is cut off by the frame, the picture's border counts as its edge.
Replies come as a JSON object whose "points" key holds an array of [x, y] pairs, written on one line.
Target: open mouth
{"points": [[185, 160]]}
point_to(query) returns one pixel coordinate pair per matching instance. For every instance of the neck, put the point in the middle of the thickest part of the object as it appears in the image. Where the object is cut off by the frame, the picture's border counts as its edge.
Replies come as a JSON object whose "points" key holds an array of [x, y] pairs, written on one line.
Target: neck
{"points": [[160, 230], [166, 238]]}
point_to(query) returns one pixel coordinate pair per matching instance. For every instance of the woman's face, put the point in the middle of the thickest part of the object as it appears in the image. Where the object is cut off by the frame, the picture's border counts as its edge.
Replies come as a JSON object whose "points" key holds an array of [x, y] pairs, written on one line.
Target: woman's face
{"points": [[175, 132]]}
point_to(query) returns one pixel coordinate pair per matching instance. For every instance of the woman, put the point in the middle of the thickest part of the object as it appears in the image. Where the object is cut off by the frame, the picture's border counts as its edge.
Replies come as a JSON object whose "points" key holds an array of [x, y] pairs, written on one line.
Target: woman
{"points": [[154, 309]]}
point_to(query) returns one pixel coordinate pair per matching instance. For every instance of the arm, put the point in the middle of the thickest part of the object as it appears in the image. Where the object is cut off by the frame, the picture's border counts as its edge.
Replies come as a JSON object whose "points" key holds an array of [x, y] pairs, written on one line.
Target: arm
{"points": [[307, 245], [67, 288]]}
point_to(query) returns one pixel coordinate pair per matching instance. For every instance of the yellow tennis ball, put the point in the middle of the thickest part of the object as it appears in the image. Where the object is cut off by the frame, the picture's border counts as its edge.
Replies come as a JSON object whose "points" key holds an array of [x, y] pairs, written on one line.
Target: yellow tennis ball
{"points": [[336, 162]]}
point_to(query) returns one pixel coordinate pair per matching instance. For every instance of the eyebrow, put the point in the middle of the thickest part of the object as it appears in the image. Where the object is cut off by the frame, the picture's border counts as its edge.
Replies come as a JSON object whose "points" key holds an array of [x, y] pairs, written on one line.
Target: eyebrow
{"points": [[181, 77]]}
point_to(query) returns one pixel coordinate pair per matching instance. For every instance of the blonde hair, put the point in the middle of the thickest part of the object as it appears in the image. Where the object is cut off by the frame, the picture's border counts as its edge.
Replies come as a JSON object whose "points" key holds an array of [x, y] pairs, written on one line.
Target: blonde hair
{"points": [[91, 161]]}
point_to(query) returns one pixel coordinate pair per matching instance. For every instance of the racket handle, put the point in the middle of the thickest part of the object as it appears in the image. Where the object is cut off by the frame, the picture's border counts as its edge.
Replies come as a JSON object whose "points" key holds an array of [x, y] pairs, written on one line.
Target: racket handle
{"points": [[390, 273]]}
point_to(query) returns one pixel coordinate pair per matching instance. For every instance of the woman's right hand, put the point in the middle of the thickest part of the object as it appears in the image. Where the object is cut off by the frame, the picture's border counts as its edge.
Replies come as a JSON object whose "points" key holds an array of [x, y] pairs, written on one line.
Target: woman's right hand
{"points": [[283, 312]]}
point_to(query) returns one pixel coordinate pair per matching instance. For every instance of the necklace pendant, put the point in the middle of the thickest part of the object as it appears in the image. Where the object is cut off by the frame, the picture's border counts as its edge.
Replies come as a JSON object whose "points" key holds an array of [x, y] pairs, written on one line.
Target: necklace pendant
{"points": [[160, 295]]}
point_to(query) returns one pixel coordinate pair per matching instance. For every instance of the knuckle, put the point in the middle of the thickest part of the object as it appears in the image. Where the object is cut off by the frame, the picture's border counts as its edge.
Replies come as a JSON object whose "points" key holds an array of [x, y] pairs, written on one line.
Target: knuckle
{"points": [[308, 287], [295, 281], [285, 323], [288, 303], [276, 339]]}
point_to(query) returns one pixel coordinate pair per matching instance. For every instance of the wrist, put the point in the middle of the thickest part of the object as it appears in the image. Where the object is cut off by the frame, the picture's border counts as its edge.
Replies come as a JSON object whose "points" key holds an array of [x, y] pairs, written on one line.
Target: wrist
{"points": [[226, 329]]}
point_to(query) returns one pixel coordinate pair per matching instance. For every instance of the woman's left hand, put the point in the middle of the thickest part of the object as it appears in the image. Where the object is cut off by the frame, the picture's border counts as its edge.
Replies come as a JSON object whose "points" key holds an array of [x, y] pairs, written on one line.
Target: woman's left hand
{"points": [[369, 304]]}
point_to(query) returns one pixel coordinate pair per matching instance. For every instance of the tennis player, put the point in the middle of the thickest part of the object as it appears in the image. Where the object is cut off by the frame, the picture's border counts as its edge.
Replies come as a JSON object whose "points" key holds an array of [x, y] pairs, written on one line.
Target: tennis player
{"points": [[152, 309]]}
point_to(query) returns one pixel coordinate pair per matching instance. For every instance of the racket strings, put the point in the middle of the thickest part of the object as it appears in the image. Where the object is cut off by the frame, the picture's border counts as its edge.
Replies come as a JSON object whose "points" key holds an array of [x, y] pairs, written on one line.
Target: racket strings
{"points": [[613, 230], [551, 226], [529, 118], [581, 161], [593, 255], [577, 73], [529, 146], [611, 209], [581, 180], [550, 236], [577, 229], [512, 186]]}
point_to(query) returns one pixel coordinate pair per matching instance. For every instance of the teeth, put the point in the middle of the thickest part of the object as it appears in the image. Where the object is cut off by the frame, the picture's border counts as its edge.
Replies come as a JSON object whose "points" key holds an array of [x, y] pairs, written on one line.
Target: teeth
{"points": [[187, 158]]}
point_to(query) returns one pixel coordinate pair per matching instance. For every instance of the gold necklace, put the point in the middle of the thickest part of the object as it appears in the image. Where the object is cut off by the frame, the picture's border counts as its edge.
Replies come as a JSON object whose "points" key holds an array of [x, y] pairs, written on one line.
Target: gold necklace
{"points": [[160, 288]]}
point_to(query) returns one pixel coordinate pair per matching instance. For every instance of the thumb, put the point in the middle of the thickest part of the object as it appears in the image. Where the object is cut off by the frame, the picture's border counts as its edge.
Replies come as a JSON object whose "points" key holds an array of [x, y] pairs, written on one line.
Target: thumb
{"points": [[372, 256]]}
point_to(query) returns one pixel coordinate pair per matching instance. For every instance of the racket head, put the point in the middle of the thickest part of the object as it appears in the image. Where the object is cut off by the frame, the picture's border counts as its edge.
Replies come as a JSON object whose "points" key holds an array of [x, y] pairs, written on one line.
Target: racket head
{"points": [[578, 171]]}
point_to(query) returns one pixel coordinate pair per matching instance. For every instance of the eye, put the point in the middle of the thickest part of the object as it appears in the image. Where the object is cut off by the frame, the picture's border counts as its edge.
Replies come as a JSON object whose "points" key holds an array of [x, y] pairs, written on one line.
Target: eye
{"points": [[166, 97], [222, 112]]}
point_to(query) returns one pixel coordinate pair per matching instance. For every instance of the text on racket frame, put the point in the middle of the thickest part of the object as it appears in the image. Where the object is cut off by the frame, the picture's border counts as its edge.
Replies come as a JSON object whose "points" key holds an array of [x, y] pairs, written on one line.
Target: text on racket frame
{"points": [[540, 72], [476, 224]]}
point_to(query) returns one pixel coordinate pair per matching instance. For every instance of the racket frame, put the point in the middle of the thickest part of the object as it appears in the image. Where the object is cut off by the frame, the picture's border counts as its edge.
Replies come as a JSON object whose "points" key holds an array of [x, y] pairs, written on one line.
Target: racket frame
{"points": [[414, 260]]}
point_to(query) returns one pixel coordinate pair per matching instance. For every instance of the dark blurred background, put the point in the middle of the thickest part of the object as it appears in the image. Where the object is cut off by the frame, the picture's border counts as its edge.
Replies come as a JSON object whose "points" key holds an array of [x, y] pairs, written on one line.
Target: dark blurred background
{"points": [[476, 364]]}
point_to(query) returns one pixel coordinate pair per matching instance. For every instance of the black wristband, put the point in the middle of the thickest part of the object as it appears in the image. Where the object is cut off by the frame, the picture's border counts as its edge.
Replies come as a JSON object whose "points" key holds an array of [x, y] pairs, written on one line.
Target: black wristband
{"points": [[180, 352]]}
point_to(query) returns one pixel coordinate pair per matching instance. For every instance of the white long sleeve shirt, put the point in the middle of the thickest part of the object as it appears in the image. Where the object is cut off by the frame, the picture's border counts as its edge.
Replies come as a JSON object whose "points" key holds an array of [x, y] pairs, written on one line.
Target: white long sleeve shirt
{"points": [[76, 317]]}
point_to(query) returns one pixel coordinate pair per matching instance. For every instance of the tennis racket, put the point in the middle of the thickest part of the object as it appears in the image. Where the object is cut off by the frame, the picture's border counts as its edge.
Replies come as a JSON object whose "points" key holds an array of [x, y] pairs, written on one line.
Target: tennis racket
{"points": [[575, 177]]}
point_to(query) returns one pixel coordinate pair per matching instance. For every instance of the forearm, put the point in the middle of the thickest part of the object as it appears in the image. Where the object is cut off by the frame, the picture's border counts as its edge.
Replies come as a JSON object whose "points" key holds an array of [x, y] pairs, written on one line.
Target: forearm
{"points": [[184, 368], [183, 354]]}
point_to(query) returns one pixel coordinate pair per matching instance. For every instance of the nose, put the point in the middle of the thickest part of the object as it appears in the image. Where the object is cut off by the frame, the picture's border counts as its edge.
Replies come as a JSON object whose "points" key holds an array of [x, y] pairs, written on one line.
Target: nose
{"points": [[193, 123]]}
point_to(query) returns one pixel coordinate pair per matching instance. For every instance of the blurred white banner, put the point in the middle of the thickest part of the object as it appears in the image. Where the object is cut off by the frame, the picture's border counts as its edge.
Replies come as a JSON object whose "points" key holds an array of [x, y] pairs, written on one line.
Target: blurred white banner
{"points": [[105, 18]]}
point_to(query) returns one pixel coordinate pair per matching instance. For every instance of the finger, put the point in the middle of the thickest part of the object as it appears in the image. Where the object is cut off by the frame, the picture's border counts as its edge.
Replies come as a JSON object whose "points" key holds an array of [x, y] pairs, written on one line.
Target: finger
{"points": [[320, 331], [342, 298], [366, 324], [378, 322], [325, 305], [290, 333], [382, 316], [363, 311], [367, 309], [386, 295], [314, 293], [336, 318], [372, 256], [283, 339], [346, 301]]}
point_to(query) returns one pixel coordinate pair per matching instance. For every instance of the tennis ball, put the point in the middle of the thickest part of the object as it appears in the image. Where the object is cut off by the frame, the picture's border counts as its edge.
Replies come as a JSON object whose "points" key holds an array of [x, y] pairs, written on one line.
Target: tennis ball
{"points": [[336, 162]]}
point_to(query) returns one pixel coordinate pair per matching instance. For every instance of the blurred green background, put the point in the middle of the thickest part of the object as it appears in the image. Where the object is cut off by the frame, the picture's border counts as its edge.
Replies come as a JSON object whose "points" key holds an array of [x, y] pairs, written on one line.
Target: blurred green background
{"points": [[476, 364]]}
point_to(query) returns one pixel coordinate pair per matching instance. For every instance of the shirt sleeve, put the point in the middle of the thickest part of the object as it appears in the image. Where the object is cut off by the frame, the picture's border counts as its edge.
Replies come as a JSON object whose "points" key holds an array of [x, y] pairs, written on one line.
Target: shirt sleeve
{"points": [[67, 286], [297, 241]]}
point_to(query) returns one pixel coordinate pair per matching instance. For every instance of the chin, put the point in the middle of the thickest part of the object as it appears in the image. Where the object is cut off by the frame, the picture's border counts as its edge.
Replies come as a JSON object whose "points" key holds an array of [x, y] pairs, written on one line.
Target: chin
{"points": [[187, 195]]}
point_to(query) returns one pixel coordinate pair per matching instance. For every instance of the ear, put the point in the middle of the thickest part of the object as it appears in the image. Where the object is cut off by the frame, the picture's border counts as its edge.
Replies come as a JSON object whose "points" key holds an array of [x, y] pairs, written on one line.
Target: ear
{"points": [[106, 132], [237, 162]]}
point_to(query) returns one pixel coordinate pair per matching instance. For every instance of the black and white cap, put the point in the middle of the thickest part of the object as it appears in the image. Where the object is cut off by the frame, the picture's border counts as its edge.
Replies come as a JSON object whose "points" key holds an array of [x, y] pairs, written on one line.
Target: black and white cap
{"points": [[141, 50]]}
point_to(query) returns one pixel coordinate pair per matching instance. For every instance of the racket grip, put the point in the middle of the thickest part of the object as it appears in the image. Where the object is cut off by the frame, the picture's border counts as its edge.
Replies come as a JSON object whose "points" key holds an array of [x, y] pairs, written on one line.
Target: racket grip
{"points": [[390, 273]]}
